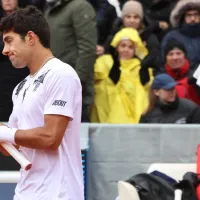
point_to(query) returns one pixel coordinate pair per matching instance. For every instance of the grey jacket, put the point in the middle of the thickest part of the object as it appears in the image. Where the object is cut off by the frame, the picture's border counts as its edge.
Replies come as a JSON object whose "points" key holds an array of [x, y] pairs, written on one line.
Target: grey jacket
{"points": [[74, 39]]}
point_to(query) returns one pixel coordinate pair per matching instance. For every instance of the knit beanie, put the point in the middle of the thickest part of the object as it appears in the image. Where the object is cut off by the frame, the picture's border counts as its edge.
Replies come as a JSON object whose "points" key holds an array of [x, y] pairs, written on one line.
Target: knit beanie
{"points": [[172, 44], [132, 7]]}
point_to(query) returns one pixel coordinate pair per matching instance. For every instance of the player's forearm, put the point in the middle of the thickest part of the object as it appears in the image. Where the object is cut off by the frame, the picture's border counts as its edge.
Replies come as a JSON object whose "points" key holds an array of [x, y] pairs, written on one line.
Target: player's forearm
{"points": [[37, 138]]}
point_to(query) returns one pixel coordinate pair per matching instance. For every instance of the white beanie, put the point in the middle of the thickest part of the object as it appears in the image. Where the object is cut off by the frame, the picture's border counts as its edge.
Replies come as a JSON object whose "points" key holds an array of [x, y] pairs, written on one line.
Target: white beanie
{"points": [[132, 7]]}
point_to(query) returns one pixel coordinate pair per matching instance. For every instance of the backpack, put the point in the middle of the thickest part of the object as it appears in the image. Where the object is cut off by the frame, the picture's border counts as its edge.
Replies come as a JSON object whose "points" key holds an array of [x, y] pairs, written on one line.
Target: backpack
{"points": [[156, 187]]}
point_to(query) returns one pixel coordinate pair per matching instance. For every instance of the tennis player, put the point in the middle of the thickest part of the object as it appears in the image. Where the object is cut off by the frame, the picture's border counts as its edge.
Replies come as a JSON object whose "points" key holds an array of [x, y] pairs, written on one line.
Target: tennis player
{"points": [[46, 115]]}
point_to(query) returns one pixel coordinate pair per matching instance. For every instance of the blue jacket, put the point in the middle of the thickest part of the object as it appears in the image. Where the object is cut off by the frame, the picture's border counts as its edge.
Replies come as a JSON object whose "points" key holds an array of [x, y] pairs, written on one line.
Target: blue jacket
{"points": [[190, 39]]}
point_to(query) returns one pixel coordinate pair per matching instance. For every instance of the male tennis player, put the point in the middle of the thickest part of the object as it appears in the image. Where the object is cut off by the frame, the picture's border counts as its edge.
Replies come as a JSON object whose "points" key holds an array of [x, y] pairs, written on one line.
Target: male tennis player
{"points": [[46, 115]]}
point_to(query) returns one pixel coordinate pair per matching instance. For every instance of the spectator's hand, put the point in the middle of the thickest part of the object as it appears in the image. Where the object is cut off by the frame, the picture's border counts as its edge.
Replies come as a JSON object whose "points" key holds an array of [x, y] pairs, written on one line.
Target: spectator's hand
{"points": [[149, 60], [163, 25], [99, 50]]}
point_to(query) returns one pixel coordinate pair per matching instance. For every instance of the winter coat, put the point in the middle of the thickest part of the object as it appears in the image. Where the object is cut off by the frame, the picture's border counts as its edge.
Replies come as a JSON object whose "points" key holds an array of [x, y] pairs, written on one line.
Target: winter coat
{"points": [[74, 39], [105, 28], [124, 101], [156, 12], [191, 43], [184, 88], [179, 114], [187, 34], [106, 15]]}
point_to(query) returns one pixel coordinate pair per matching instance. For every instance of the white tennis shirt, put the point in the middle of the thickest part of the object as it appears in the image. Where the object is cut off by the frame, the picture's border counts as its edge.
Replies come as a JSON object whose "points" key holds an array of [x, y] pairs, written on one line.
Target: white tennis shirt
{"points": [[55, 175]]}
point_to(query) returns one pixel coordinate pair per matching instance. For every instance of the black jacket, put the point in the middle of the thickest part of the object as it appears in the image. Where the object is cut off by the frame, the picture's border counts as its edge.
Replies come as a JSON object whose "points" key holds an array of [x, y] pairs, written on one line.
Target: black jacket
{"points": [[106, 15], [159, 187], [155, 12], [185, 112]]}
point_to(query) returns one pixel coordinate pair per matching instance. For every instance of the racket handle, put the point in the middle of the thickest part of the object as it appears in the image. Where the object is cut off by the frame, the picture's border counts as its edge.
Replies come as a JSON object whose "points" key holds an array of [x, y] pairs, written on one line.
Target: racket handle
{"points": [[25, 164]]}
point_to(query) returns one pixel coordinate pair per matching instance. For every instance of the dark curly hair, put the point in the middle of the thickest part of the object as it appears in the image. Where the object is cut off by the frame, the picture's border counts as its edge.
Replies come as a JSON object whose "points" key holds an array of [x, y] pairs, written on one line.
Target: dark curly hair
{"points": [[27, 19]]}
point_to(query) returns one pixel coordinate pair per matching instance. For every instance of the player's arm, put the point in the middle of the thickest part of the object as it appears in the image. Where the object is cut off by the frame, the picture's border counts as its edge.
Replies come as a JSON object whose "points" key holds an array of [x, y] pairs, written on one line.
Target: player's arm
{"points": [[47, 137], [61, 92]]}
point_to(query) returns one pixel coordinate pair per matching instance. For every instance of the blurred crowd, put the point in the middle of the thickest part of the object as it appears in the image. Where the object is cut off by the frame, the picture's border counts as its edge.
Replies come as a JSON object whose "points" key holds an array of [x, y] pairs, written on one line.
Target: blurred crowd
{"points": [[137, 60]]}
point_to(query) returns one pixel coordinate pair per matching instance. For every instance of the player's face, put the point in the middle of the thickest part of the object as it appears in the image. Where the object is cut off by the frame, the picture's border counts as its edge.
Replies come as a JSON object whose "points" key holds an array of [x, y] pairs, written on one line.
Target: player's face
{"points": [[16, 48]]}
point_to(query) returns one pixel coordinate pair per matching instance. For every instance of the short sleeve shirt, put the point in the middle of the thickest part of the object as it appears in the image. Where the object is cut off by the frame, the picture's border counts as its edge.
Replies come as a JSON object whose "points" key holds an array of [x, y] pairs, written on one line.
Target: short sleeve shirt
{"points": [[55, 174]]}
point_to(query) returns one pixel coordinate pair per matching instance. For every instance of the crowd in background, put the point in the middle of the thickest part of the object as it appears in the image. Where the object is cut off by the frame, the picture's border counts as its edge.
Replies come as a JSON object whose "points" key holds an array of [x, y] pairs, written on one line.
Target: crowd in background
{"points": [[136, 59]]}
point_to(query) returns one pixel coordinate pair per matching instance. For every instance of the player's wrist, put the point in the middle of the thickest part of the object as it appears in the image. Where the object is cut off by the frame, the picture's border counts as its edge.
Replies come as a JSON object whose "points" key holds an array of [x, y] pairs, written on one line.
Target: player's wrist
{"points": [[7, 134]]}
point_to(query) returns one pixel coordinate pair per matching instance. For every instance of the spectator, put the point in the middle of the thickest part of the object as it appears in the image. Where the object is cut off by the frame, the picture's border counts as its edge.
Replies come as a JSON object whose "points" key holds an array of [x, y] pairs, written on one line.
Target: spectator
{"points": [[132, 17], [120, 96], [156, 15], [106, 16], [74, 40], [185, 18], [166, 107], [178, 67], [9, 78]]}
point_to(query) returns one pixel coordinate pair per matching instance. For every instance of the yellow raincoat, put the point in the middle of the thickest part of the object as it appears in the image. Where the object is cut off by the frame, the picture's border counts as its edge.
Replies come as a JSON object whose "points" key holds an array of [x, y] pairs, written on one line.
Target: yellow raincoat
{"points": [[123, 102]]}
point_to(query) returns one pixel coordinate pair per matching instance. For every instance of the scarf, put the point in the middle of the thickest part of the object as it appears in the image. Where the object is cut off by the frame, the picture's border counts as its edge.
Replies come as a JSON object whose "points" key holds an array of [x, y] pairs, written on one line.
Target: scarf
{"points": [[169, 106], [179, 73], [191, 30]]}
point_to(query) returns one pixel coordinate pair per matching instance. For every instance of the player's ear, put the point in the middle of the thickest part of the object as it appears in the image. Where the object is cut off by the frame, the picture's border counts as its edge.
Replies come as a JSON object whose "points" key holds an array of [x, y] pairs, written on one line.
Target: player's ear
{"points": [[31, 37]]}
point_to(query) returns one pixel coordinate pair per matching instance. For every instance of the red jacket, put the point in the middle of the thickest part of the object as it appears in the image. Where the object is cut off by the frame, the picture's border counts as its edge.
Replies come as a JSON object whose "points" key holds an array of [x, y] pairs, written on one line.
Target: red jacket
{"points": [[183, 89]]}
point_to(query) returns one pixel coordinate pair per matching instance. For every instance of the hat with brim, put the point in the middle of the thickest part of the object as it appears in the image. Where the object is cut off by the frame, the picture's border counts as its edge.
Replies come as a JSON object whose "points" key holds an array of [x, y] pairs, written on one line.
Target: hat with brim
{"points": [[163, 81], [169, 86]]}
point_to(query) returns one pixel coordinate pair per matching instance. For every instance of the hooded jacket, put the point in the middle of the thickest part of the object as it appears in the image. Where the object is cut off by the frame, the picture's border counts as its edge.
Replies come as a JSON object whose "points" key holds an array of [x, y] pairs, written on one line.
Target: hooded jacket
{"points": [[180, 9], [188, 34], [184, 88]]}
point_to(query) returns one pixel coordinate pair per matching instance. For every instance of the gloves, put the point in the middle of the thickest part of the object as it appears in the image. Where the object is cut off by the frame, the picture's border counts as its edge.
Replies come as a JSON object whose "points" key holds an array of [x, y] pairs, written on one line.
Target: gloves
{"points": [[7, 134]]}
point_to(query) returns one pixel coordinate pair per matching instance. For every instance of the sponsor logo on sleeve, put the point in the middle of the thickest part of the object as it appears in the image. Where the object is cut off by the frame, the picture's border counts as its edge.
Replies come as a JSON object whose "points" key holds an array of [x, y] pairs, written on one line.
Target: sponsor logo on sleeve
{"points": [[59, 103]]}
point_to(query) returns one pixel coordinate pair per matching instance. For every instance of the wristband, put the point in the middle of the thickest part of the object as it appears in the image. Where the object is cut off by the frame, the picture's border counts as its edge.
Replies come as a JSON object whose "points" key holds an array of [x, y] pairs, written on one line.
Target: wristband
{"points": [[7, 134]]}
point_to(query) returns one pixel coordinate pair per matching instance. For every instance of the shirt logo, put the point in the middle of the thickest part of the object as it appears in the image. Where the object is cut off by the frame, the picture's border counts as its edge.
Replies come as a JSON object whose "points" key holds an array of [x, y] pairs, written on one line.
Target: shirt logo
{"points": [[59, 103], [20, 86], [181, 121], [39, 80]]}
